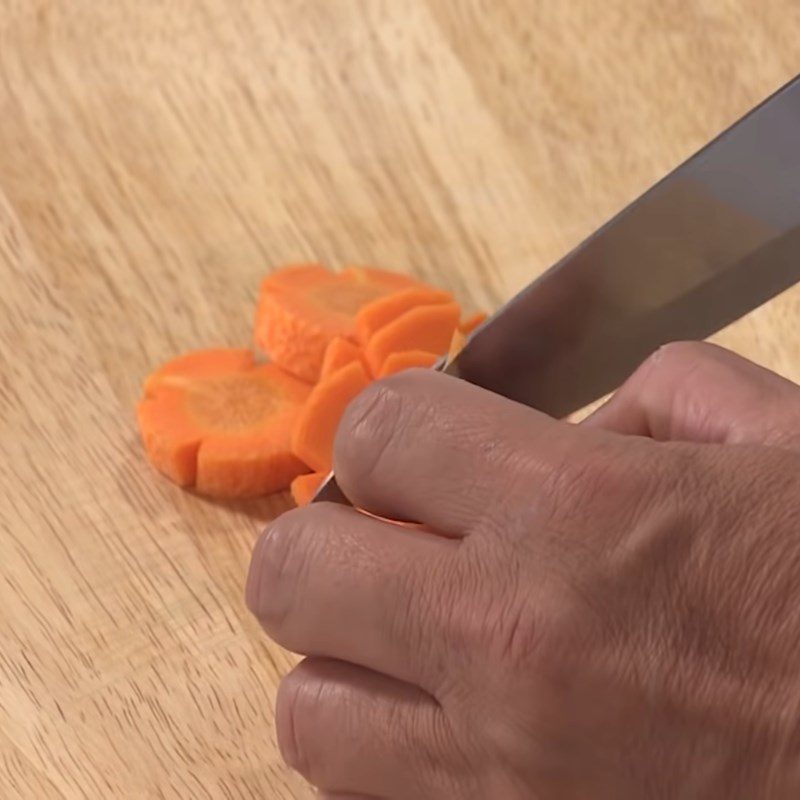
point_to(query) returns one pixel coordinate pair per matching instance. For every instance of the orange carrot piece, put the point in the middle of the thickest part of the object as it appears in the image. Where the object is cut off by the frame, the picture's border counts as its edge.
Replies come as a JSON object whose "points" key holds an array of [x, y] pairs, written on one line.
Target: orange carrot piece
{"points": [[304, 487], [381, 312], [198, 364], [316, 426], [338, 354], [300, 312], [427, 328], [170, 440], [249, 466], [406, 359], [294, 276], [227, 432], [391, 281], [470, 323]]}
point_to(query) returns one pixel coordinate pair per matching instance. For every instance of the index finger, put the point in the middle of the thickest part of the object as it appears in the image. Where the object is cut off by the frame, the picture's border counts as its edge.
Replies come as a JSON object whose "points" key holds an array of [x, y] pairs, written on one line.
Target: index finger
{"points": [[434, 449]]}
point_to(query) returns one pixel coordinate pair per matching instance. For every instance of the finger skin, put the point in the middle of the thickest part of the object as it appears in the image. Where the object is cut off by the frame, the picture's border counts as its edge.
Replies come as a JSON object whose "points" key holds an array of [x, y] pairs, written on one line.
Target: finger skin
{"points": [[428, 447], [694, 391], [327, 580], [353, 732], [623, 623]]}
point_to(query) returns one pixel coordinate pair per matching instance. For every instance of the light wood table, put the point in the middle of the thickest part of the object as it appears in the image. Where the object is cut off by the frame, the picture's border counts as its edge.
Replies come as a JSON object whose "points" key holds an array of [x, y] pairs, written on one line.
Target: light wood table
{"points": [[156, 158]]}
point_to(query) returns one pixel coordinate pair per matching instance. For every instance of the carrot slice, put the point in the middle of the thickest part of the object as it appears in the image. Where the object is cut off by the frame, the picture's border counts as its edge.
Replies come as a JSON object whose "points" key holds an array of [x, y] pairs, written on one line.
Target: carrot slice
{"points": [[198, 364], [225, 432], [381, 312], [406, 359], [294, 276], [427, 328], [250, 466], [304, 487], [338, 354], [170, 440], [300, 312], [469, 324], [318, 421], [391, 281]]}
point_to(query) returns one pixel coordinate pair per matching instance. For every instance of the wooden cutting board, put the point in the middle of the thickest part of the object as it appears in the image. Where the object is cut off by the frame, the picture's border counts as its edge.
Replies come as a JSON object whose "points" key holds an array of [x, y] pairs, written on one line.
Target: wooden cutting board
{"points": [[155, 160]]}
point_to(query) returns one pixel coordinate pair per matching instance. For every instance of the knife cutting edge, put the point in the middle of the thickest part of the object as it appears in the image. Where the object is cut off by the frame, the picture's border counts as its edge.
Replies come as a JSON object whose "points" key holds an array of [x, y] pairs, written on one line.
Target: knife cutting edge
{"points": [[714, 239]]}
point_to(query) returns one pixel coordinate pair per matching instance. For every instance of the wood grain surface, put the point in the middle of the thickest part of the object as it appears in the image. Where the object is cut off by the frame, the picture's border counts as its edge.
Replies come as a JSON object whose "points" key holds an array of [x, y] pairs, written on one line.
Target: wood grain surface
{"points": [[156, 158]]}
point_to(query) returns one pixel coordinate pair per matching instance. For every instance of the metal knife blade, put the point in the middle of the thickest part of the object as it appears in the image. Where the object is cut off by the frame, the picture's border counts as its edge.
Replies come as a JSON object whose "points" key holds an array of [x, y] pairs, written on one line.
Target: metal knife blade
{"points": [[714, 239]]}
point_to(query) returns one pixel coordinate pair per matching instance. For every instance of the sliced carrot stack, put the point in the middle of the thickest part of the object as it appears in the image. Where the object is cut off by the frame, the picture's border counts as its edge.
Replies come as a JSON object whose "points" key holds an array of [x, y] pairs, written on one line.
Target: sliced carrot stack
{"points": [[470, 323], [319, 420], [215, 421], [407, 359], [301, 309], [304, 487], [428, 328], [379, 313], [339, 353]]}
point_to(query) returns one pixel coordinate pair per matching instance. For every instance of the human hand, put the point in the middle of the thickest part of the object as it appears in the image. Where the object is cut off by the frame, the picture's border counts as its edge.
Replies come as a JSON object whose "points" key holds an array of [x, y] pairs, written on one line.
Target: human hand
{"points": [[613, 611]]}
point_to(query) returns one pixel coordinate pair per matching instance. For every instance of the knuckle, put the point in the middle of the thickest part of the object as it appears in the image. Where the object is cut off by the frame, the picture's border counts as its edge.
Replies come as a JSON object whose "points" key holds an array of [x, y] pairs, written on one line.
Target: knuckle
{"points": [[460, 607], [578, 480], [367, 428], [377, 422], [517, 632], [435, 588], [677, 361], [282, 560], [545, 631], [365, 414], [439, 758], [437, 617], [678, 353], [613, 475]]}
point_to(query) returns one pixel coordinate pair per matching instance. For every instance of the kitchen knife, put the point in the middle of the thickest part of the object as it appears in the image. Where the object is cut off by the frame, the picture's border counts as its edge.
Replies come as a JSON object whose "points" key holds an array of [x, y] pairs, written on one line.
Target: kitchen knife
{"points": [[714, 239]]}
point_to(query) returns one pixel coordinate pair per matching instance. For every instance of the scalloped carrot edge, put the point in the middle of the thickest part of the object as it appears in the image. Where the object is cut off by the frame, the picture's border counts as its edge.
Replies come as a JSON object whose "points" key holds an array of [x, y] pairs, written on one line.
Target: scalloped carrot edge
{"points": [[339, 353], [214, 421], [407, 359], [301, 309], [316, 426], [428, 328], [379, 313]]}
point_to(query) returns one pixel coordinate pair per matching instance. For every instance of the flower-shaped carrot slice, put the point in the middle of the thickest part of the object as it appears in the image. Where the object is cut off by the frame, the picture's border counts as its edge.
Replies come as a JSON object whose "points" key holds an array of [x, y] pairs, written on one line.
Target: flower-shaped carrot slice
{"points": [[301, 309], [216, 421]]}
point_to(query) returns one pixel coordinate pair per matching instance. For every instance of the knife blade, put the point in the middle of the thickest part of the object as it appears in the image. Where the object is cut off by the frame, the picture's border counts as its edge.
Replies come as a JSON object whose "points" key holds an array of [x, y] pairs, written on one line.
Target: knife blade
{"points": [[713, 240]]}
